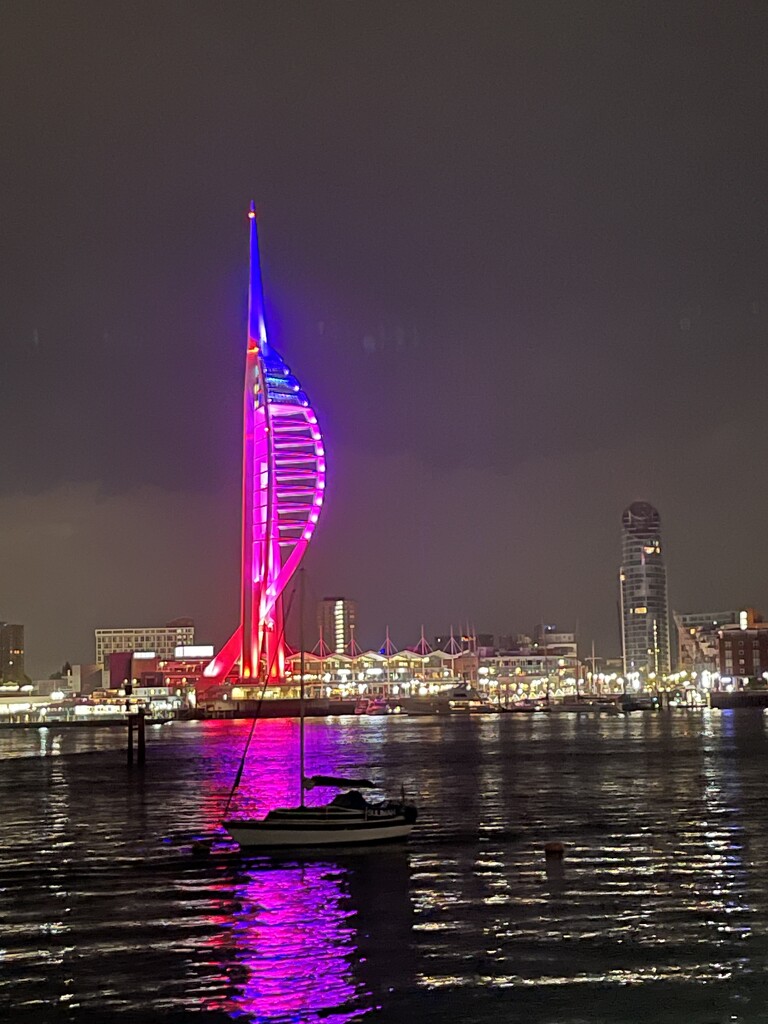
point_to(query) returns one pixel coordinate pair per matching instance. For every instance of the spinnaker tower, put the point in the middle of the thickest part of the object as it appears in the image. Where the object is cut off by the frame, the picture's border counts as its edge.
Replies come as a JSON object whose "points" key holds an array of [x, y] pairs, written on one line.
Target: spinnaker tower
{"points": [[283, 486]]}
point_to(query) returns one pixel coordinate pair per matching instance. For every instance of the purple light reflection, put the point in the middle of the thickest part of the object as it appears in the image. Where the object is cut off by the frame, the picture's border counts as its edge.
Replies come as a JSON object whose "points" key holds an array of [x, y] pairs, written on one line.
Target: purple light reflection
{"points": [[271, 776], [293, 947]]}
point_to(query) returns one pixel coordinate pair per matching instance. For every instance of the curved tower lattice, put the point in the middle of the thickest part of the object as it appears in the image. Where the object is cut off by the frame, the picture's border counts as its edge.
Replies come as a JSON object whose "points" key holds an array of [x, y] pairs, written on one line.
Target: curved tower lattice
{"points": [[283, 484]]}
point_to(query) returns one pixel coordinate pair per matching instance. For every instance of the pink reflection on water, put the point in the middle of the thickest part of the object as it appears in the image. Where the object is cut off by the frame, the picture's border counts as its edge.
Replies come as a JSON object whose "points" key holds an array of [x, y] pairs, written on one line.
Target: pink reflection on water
{"points": [[289, 947], [292, 947], [271, 776]]}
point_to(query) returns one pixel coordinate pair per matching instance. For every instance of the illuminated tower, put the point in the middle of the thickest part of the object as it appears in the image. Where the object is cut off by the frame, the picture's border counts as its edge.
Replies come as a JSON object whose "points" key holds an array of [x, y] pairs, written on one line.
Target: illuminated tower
{"points": [[336, 618], [643, 589], [283, 484]]}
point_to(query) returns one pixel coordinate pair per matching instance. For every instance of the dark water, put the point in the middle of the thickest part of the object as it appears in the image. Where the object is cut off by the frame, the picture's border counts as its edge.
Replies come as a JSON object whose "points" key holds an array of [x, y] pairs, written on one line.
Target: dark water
{"points": [[111, 910]]}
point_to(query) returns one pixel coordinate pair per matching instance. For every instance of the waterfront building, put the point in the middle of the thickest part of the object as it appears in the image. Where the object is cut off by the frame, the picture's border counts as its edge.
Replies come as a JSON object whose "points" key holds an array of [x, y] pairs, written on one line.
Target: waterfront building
{"points": [[283, 483], [544, 663], [336, 621], [528, 673], [743, 648], [72, 680], [643, 594], [332, 676], [514, 641], [84, 678], [554, 643], [11, 653], [159, 640], [698, 641], [178, 677]]}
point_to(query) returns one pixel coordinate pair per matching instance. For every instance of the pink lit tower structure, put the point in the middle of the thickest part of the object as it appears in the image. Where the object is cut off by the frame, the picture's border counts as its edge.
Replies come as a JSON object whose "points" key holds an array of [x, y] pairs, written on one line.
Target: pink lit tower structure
{"points": [[283, 485]]}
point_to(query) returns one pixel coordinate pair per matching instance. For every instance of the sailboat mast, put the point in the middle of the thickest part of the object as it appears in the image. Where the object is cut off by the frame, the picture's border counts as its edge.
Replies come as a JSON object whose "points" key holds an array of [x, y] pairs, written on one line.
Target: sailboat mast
{"points": [[301, 688]]}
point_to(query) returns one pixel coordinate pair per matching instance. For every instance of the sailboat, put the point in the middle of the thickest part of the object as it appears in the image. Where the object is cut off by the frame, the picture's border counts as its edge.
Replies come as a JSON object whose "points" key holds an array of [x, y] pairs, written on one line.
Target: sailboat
{"points": [[349, 819]]}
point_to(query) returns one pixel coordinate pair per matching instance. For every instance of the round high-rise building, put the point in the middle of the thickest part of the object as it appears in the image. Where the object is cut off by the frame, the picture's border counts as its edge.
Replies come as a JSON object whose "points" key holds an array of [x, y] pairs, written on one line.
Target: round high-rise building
{"points": [[643, 590], [640, 519]]}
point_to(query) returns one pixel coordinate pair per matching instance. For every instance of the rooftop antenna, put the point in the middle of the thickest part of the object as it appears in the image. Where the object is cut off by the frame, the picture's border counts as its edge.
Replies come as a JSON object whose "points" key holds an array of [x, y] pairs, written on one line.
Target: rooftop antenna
{"points": [[454, 647], [422, 647], [321, 647], [354, 650], [389, 648]]}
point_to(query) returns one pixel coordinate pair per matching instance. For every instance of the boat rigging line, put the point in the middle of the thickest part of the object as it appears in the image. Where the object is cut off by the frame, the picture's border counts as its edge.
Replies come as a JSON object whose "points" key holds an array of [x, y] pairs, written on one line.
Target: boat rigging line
{"points": [[241, 767]]}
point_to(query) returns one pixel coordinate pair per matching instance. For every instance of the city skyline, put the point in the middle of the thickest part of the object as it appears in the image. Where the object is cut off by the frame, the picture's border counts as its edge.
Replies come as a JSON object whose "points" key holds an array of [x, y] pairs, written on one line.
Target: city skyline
{"points": [[519, 255]]}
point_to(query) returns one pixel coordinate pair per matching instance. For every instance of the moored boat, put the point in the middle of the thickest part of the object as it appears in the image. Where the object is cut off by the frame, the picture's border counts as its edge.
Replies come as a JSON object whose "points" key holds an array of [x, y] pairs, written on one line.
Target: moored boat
{"points": [[585, 706], [459, 700], [349, 819], [372, 706]]}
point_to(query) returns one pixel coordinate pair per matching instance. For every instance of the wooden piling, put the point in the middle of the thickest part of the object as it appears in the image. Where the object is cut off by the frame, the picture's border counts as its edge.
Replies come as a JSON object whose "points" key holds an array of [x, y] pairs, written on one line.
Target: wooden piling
{"points": [[141, 751]]}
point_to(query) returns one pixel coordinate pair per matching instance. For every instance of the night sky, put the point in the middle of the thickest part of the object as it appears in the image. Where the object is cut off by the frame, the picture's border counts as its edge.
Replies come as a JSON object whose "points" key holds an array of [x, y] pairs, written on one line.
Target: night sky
{"points": [[515, 252]]}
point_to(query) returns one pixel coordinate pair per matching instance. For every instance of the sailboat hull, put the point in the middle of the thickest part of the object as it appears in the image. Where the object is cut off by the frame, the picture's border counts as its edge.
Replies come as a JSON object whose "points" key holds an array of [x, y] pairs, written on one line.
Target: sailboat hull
{"points": [[323, 826]]}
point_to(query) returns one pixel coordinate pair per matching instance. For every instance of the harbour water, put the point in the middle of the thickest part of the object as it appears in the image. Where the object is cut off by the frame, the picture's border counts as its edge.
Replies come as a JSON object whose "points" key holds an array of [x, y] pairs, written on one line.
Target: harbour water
{"points": [[120, 900]]}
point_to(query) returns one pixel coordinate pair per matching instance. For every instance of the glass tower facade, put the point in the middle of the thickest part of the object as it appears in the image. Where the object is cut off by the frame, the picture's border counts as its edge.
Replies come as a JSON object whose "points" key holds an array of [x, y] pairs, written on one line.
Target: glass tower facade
{"points": [[336, 621], [643, 589]]}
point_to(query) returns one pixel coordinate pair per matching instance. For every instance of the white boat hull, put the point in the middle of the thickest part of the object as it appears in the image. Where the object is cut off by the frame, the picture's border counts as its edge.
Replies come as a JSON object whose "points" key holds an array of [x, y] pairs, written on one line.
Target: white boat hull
{"points": [[263, 834], [335, 824]]}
